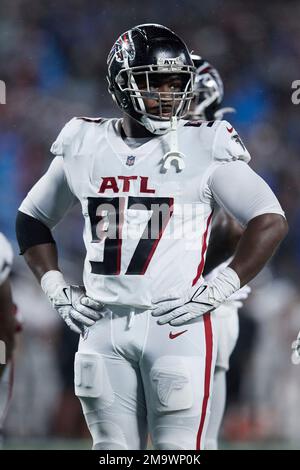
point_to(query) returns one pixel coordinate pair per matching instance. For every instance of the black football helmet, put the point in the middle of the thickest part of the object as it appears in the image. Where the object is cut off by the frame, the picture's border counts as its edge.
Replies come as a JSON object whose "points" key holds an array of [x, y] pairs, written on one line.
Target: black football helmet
{"points": [[209, 91], [138, 60]]}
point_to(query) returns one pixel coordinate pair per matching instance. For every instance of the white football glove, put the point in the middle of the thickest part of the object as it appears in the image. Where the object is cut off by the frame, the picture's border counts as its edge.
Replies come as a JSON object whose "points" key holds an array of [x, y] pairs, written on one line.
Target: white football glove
{"points": [[295, 357], [181, 308], [71, 302], [236, 300]]}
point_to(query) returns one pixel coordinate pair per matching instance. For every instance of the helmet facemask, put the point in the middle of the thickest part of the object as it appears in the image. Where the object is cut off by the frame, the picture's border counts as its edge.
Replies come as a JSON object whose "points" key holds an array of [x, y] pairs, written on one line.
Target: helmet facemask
{"points": [[141, 84]]}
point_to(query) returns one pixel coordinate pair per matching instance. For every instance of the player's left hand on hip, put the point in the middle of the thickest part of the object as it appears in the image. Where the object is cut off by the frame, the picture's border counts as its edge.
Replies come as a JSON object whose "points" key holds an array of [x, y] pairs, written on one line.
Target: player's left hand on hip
{"points": [[295, 357], [186, 308], [237, 299], [182, 308]]}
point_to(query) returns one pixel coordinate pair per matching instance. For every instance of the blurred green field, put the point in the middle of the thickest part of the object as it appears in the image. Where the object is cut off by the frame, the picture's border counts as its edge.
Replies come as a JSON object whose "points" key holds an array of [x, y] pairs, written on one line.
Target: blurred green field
{"points": [[85, 444]]}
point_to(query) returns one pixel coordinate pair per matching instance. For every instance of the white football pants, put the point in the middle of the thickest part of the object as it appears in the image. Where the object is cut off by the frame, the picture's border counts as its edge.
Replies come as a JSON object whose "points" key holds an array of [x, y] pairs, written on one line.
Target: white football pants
{"points": [[135, 377]]}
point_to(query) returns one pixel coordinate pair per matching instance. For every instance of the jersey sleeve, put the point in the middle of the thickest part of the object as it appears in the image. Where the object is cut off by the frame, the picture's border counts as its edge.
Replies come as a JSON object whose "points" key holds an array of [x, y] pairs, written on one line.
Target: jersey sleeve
{"points": [[228, 145], [242, 192], [51, 197], [6, 258]]}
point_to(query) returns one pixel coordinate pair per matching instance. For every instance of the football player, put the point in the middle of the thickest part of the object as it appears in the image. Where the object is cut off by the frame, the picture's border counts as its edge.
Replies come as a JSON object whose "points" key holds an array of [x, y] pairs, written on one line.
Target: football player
{"points": [[148, 185], [295, 357], [9, 326], [226, 233], [8, 323]]}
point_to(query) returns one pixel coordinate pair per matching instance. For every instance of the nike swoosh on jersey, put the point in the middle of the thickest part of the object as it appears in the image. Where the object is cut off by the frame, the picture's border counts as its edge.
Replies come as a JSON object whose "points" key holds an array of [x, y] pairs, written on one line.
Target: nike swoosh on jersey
{"points": [[229, 130], [174, 335]]}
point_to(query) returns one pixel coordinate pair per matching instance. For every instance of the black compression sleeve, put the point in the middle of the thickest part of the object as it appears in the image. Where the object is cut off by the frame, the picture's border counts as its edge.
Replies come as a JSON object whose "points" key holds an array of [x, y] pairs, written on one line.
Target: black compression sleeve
{"points": [[31, 231]]}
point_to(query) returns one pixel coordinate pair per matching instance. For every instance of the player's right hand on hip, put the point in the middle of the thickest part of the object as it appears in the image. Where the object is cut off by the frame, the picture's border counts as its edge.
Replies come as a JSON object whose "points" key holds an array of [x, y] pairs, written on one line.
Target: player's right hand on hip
{"points": [[295, 357], [77, 309]]}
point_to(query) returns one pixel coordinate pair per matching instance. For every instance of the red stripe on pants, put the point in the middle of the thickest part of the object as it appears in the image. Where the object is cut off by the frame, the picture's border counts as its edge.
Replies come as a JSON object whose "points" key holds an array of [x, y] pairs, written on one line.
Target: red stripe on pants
{"points": [[207, 376]]}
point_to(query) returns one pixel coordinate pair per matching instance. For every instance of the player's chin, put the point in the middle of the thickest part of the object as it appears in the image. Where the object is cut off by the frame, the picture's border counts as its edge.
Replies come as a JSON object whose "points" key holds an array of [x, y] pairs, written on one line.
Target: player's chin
{"points": [[165, 114]]}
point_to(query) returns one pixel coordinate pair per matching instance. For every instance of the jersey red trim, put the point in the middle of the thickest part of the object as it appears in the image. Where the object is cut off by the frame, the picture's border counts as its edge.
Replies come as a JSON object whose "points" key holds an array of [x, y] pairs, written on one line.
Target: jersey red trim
{"points": [[203, 251]]}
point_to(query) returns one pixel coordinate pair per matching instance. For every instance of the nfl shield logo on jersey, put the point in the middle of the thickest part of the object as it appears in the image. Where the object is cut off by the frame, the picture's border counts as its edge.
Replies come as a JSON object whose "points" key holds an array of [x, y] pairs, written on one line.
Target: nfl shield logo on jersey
{"points": [[130, 160]]}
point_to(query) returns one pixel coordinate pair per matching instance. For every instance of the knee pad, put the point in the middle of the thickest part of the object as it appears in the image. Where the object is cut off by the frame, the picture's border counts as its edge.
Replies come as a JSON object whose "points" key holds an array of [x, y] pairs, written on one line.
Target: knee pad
{"points": [[168, 446], [108, 446], [107, 436], [172, 385]]}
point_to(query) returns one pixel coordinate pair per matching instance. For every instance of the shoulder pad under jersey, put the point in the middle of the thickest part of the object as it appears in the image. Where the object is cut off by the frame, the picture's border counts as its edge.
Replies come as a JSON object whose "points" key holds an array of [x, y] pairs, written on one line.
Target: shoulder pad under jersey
{"points": [[227, 144], [74, 129], [6, 258]]}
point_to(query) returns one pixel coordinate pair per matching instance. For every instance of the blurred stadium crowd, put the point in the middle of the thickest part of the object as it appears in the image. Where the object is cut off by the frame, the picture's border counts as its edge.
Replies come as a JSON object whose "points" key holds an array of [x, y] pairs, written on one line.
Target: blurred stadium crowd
{"points": [[53, 61]]}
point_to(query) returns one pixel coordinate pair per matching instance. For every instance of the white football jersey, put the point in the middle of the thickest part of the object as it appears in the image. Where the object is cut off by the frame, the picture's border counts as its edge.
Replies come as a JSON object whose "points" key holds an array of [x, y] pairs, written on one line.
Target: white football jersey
{"points": [[146, 226], [6, 258], [125, 189]]}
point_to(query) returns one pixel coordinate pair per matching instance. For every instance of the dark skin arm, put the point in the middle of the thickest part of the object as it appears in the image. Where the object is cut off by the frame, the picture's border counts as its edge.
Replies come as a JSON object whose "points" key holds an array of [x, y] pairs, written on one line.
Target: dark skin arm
{"points": [[257, 245], [225, 235], [260, 239], [42, 258], [8, 323]]}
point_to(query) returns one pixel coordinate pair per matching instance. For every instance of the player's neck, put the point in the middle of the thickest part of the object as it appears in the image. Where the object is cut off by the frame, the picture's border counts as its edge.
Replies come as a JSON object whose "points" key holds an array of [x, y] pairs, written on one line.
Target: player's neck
{"points": [[132, 128]]}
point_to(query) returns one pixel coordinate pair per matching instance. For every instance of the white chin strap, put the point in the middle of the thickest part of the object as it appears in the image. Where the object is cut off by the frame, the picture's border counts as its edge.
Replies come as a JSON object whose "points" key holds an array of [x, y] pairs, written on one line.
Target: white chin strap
{"points": [[173, 156], [156, 127]]}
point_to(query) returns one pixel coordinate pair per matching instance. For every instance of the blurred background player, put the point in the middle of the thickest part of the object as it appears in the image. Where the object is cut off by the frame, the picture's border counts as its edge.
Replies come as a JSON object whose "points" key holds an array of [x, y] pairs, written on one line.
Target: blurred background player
{"points": [[7, 306], [209, 92], [9, 325], [225, 235]]}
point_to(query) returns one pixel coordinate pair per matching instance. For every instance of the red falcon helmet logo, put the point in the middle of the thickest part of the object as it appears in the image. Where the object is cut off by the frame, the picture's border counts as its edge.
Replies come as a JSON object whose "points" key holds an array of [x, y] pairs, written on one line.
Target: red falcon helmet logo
{"points": [[124, 48]]}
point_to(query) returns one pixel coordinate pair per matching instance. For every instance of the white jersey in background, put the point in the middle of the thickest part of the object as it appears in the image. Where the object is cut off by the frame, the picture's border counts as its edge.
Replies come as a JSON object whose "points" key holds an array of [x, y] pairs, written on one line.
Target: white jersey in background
{"points": [[6, 258], [125, 188]]}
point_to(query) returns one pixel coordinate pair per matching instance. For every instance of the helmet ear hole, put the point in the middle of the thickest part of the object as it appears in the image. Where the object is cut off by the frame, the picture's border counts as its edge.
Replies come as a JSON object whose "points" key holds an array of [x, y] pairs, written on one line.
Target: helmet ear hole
{"points": [[120, 80]]}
